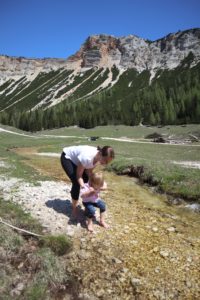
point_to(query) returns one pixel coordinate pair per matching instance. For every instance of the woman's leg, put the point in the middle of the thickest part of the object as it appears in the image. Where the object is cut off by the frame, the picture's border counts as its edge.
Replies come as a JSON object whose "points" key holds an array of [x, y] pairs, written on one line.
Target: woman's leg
{"points": [[75, 191], [70, 169]]}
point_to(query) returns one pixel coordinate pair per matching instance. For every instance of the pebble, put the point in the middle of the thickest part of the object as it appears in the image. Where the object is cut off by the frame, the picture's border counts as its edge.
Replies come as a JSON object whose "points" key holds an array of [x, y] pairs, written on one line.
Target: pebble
{"points": [[164, 253], [17, 290], [171, 229], [188, 284], [155, 229], [189, 259], [124, 270], [134, 242], [135, 281], [155, 249], [100, 293], [157, 270], [116, 260], [82, 254]]}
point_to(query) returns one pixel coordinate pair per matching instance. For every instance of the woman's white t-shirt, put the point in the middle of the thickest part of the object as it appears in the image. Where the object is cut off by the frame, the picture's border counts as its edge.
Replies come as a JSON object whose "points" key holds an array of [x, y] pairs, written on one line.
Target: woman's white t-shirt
{"points": [[81, 154]]}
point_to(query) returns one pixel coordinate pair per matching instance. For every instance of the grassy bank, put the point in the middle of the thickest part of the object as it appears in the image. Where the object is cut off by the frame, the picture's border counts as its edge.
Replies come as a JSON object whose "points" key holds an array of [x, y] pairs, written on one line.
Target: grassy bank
{"points": [[31, 268], [154, 164], [167, 179]]}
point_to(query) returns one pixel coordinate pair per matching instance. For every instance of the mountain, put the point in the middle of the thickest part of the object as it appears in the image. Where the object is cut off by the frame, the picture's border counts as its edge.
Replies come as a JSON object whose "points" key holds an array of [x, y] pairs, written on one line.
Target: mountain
{"points": [[140, 54], [109, 71]]}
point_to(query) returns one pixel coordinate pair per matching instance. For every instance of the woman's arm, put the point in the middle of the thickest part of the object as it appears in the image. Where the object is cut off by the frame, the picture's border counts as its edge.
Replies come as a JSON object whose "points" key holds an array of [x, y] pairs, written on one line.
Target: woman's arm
{"points": [[79, 173]]}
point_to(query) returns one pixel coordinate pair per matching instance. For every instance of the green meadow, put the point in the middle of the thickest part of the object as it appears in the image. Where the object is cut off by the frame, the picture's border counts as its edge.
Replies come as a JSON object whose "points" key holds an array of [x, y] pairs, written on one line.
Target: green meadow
{"points": [[163, 165]]}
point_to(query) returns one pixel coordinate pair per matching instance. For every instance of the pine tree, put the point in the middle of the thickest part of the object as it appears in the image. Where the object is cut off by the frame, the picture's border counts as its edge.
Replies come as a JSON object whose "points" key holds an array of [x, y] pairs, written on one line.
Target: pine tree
{"points": [[152, 119], [197, 113], [38, 119], [23, 121], [4, 118], [157, 118], [171, 112]]}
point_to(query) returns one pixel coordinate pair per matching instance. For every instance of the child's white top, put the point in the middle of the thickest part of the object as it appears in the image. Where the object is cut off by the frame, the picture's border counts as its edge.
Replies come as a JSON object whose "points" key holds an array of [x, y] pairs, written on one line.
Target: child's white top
{"points": [[94, 198], [81, 154]]}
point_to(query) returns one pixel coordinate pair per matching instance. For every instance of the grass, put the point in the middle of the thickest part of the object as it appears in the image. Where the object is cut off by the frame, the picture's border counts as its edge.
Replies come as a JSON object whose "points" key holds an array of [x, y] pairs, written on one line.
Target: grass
{"points": [[157, 159], [38, 266], [13, 214], [36, 291], [169, 179], [58, 244], [126, 131]]}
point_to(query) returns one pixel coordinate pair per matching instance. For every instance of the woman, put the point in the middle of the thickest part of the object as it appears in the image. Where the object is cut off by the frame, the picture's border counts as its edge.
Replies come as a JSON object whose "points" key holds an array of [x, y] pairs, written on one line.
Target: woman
{"points": [[78, 163]]}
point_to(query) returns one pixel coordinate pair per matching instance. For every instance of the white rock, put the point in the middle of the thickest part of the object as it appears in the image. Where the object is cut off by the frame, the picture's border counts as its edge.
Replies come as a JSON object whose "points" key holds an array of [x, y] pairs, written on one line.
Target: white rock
{"points": [[164, 253], [171, 229], [155, 229], [135, 281]]}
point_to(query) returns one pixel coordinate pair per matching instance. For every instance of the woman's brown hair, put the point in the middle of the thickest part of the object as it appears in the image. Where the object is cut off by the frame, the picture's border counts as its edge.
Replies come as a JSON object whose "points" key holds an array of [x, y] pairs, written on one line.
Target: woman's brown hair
{"points": [[106, 151]]}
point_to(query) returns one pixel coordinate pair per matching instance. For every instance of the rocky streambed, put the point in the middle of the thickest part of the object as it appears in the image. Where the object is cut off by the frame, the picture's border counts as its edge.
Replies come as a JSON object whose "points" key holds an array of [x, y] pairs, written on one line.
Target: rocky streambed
{"points": [[151, 250]]}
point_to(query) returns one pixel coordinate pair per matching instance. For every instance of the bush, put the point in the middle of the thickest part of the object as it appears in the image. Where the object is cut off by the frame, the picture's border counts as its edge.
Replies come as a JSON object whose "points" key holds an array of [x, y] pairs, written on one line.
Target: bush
{"points": [[154, 135], [60, 244]]}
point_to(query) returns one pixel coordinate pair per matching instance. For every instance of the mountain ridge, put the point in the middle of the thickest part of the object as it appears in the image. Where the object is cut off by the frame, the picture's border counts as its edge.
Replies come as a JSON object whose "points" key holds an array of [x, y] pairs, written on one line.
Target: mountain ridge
{"points": [[162, 75], [106, 50]]}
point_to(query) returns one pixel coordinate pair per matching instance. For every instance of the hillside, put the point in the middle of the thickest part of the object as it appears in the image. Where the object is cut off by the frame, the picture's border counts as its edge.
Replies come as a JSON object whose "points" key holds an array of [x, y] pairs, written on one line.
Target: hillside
{"points": [[108, 81]]}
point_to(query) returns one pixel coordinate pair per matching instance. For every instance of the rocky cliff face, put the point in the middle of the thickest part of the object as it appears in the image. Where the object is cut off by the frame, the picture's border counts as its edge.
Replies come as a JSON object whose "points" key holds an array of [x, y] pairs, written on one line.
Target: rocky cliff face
{"points": [[105, 51], [17, 67], [134, 52]]}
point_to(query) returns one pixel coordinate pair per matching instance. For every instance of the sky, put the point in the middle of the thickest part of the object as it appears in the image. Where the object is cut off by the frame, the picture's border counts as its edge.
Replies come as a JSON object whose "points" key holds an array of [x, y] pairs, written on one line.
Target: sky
{"points": [[57, 28]]}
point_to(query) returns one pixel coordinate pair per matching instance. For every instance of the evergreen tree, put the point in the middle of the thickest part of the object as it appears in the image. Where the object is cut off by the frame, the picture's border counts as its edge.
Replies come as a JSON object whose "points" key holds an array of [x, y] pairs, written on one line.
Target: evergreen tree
{"points": [[157, 118], [23, 121], [38, 119], [152, 119], [171, 112], [4, 118]]}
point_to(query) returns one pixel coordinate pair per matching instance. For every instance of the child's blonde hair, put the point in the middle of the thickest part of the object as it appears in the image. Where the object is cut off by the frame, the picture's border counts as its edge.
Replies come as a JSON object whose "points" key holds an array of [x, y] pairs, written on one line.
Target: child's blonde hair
{"points": [[96, 179]]}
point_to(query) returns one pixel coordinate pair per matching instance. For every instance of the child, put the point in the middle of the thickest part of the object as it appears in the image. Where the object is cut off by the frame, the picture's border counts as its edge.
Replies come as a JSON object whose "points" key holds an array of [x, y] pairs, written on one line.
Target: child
{"points": [[90, 197]]}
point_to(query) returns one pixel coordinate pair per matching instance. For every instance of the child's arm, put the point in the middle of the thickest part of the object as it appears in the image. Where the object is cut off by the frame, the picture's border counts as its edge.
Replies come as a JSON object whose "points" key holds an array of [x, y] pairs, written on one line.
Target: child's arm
{"points": [[87, 192], [104, 187]]}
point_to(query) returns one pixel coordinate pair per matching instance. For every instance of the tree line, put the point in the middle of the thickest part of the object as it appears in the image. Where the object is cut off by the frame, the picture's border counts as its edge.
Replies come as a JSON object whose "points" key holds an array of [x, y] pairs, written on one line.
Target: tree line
{"points": [[173, 97]]}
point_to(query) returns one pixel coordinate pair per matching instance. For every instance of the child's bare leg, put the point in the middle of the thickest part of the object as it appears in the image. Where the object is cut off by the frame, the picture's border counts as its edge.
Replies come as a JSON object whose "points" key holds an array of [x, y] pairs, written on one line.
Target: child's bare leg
{"points": [[102, 221], [90, 225]]}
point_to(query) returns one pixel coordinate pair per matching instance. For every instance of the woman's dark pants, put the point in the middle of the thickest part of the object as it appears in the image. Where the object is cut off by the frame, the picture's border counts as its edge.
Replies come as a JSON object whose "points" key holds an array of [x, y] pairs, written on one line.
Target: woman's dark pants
{"points": [[70, 169]]}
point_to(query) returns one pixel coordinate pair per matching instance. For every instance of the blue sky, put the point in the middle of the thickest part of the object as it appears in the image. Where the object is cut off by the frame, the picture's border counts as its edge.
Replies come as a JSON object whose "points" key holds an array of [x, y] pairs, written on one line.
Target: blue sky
{"points": [[57, 28]]}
